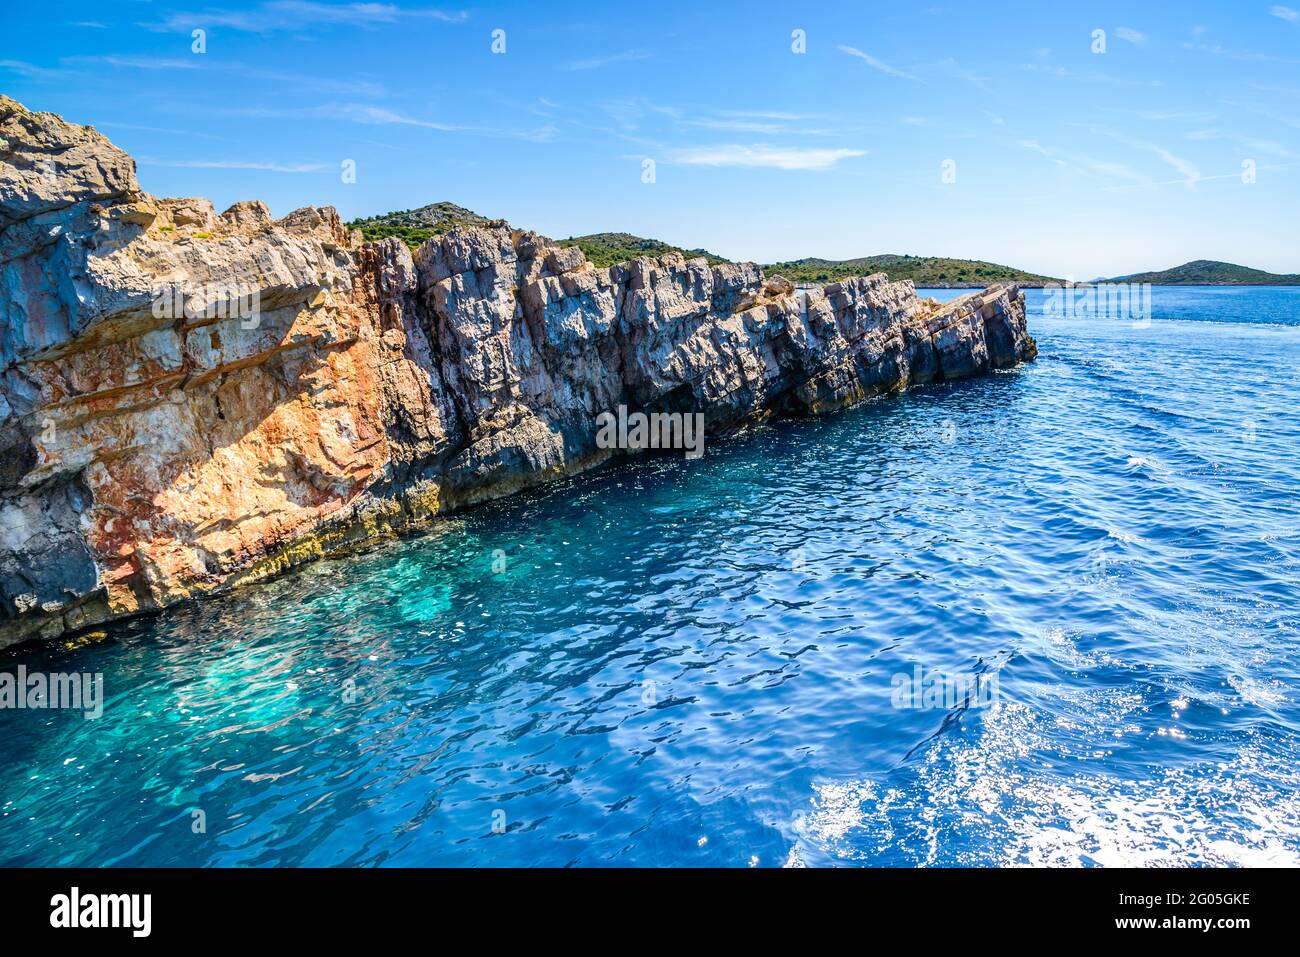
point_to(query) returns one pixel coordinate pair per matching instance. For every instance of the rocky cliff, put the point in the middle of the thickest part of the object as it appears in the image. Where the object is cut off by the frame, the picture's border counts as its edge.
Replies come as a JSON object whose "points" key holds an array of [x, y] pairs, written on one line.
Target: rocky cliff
{"points": [[193, 400]]}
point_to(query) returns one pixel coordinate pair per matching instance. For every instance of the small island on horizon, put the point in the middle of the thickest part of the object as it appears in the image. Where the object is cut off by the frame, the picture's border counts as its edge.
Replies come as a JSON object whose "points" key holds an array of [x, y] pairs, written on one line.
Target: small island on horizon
{"points": [[414, 226]]}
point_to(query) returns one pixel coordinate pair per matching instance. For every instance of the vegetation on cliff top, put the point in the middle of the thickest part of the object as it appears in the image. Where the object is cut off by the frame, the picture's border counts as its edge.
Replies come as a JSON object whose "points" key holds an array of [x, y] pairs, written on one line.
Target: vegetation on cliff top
{"points": [[414, 226], [1208, 272], [606, 249]]}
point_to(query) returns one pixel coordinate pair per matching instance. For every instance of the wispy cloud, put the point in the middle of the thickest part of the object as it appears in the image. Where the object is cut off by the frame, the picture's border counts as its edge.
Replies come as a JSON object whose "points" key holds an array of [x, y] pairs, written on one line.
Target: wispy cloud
{"points": [[771, 115], [630, 112], [318, 84], [1246, 144], [762, 156], [1249, 56], [595, 63], [280, 16], [170, 131], [1285, 13], [1063, 73], [1129, 35], [237, 164], [1185, 168], [1273, 88], [1235, 175], [1160, 116], [875, 64], [29, 70], [1091, 166], [952, 68], [741, 125], [1189, 175], [382, 116], [139, 62], [1285, 119]]}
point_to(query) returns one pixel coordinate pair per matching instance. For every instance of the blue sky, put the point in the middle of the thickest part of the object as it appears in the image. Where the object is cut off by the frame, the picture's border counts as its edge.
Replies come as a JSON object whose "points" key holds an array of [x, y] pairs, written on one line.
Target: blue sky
{"points": [[1067, 161]]}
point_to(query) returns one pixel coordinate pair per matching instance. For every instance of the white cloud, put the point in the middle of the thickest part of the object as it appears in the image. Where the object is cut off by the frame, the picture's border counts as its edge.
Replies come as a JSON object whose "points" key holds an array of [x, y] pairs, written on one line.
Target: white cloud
{"points": [[770, 157], [1129, 35], [1285, 13], [876, 64]]}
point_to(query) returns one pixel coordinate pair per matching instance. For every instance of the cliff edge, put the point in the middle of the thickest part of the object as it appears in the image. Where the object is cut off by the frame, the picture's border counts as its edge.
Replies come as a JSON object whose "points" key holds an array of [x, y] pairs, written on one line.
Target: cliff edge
{"points": [[193, 400]]}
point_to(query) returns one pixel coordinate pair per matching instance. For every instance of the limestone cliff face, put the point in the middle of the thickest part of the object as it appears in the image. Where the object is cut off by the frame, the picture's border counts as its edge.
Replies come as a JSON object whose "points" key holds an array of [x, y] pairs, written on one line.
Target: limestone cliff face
{"points": [[191, 401]]}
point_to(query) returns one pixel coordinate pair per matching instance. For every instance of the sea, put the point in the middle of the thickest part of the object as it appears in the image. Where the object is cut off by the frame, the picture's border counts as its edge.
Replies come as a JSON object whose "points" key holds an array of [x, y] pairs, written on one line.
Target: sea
{"points": [[1046, 617]]}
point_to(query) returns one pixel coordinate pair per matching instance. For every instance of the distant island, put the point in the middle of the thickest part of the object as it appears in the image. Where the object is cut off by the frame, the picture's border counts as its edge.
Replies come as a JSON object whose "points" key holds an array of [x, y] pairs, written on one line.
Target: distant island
{"points": [[1208, 272], [414, 226]]}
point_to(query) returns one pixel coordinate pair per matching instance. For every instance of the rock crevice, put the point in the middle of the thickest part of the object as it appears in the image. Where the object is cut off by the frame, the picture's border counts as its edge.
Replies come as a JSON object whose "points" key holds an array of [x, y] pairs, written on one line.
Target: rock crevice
{"points": [[190, 400]]}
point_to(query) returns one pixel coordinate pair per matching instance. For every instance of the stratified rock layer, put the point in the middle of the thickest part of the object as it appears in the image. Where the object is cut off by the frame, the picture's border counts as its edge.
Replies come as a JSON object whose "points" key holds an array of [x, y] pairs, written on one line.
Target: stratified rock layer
{"points": [[307, 392]]}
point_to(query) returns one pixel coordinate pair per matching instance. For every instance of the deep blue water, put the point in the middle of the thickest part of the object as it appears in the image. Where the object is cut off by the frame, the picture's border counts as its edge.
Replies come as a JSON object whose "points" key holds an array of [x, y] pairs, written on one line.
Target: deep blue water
{"points": [[691, 663]]}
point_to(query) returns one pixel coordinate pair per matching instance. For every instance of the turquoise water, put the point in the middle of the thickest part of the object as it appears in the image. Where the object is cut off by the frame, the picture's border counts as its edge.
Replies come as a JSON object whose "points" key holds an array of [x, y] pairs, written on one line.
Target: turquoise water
{"points": [[694, 663]]}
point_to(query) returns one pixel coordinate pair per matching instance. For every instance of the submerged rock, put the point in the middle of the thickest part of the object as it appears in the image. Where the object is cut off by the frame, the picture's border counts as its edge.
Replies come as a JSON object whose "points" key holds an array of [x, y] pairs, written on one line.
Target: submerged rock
{"points": [[191, 401]]}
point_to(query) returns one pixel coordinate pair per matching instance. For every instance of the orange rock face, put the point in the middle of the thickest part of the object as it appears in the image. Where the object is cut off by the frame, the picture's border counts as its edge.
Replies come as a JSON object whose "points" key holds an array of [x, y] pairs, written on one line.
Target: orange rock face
{"points": [[189, 395]]}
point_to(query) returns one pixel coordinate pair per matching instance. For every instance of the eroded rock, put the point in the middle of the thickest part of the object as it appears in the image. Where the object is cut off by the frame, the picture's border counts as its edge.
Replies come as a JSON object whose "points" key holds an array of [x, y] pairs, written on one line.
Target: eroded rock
{"points": [[192, 401]]}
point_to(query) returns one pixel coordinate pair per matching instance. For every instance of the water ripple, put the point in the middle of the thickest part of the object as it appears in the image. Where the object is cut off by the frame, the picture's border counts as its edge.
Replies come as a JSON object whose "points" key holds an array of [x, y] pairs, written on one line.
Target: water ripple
{"points": [[695, 662]]}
